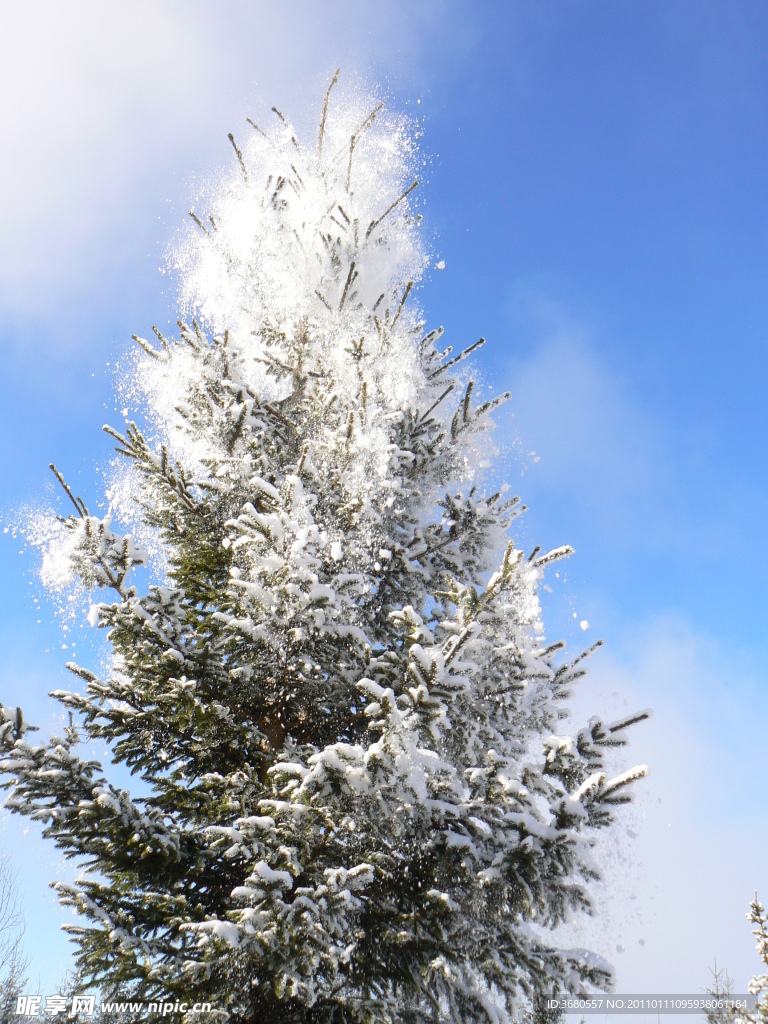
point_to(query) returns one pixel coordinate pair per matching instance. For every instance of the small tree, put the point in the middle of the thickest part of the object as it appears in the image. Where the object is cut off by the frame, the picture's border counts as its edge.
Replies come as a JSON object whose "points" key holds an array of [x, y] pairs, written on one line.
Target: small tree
{"points": [[13, 960], [721, 989], [759, 984], [339, 698], [722, 984]]}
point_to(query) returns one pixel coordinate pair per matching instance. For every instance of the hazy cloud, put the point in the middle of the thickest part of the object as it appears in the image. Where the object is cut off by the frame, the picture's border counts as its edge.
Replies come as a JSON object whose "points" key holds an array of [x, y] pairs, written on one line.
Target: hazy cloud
{"points": [[681, 880], [589, 434], [105, 106]]}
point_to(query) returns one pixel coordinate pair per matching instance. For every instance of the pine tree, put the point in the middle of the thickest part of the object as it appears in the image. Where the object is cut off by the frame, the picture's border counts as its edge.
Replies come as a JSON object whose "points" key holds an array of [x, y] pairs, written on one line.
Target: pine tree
{"points": [[13, 959], [337, 695], [721, 989], [758, 986]]}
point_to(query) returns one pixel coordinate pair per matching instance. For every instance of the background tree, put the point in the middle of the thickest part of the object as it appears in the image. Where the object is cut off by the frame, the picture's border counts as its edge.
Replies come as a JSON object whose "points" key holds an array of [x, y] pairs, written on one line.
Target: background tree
{"points": [[13, 960], [338, 697], [722, 985]]}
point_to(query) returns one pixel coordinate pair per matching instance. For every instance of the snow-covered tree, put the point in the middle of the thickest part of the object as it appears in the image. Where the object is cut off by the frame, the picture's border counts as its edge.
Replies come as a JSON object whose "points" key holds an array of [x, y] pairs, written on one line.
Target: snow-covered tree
{"points": [[759, 984], [722, 986], [13, 959], [356, 801]]}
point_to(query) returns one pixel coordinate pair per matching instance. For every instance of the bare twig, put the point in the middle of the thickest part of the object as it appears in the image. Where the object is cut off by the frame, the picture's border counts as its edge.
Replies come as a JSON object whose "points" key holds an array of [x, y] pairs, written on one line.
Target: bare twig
{"points": [[406, 293], [321, 133], [457, 359], [356, 135], [350, 278], [77, 502], [243, 168], [375, 223], [254, 125], [199, 223]]}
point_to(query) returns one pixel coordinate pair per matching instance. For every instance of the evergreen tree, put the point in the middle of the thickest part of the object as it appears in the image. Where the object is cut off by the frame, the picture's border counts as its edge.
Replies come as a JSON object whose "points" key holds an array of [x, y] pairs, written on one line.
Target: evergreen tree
{"points": [[759, 984], [722, 987], [13, 959], [356, 805]]}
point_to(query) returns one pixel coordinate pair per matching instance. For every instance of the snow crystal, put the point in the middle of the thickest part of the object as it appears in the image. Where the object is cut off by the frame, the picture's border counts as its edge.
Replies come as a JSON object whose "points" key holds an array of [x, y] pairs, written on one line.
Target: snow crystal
{"points": [[58, 545], [265, 271]]}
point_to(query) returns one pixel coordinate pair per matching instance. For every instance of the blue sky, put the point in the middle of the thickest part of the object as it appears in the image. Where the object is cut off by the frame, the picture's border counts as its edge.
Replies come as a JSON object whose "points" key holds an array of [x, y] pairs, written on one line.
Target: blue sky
{"points": [[596, 190]]}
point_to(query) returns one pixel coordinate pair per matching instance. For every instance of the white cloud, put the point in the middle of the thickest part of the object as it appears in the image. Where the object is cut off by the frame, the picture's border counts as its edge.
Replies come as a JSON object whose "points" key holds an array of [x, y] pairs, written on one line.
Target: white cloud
{"points": [[105, 106], [683, 885], [591, 438], [641, 485], [622, 470], [81, 85]]}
